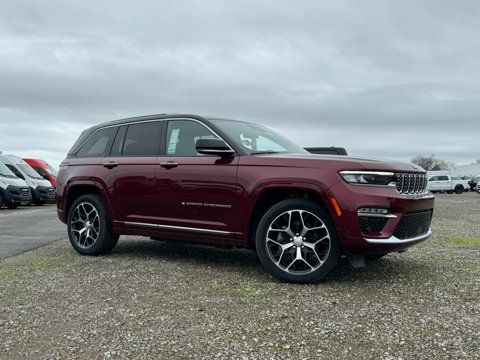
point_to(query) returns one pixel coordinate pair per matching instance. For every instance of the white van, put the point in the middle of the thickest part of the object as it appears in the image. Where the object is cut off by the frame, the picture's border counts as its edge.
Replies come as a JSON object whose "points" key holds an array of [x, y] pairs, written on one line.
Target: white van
{"points": [[41, 189], [13, 190]]}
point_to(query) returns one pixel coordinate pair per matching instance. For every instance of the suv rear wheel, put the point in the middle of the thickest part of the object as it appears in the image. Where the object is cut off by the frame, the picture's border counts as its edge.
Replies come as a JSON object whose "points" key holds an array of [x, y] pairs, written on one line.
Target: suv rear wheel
{"points": [[296, 241], [89, 227]]}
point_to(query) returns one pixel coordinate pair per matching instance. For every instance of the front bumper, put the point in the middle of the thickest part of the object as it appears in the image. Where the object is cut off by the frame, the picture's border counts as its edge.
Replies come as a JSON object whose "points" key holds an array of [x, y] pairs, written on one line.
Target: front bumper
{"points": [[16, 195], [43, 194], [356, 240]]}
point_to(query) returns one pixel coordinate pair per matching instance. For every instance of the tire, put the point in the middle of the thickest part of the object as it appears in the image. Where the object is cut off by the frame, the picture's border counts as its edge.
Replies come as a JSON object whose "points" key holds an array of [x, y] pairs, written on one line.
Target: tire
{"points": [[450, 192], [458, 189], [1, 200], [296, 254], [88, 217], [39, 203], [12, 206]]}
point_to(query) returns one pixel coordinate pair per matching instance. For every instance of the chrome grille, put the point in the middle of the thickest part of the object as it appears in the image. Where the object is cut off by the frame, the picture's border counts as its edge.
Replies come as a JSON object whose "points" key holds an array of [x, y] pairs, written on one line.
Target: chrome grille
{"points": [[411, 183]]}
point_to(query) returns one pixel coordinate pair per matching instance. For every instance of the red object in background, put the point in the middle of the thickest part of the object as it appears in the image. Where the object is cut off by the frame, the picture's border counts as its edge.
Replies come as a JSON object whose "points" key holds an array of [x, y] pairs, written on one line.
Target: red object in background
{"points": [[45, 170]]}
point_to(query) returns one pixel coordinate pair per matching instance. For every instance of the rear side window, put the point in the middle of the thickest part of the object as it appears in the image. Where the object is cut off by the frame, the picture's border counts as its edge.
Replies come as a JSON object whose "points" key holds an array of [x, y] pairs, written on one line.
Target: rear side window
{"points": [[443, 178], [142, 139], [98, 144]]}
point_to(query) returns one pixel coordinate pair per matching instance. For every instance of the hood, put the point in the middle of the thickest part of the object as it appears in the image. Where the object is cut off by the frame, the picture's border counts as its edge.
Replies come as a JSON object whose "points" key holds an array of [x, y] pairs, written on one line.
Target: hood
{"points": [[13, 181], [338, 162]]}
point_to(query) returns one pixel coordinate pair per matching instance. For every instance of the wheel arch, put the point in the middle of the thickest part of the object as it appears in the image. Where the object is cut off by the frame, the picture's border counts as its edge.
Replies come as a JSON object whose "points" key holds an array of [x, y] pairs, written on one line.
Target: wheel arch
{"points": [[78, 189], [269, 196]]}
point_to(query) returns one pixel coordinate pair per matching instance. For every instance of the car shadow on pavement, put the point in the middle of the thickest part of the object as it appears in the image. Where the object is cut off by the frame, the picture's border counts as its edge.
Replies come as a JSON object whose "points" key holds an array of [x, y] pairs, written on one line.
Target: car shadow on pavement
{"points": [[389, 268]]}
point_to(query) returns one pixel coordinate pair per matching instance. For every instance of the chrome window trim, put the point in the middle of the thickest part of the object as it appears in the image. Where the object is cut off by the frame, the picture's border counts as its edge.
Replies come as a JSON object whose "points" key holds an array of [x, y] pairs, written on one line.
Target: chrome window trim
{"points": [[173, 227], [152, 120]]}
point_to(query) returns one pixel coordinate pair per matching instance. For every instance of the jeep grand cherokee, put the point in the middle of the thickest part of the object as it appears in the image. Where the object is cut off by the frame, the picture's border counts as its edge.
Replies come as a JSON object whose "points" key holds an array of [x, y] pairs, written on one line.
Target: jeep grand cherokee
{"points": [[225, 182]]}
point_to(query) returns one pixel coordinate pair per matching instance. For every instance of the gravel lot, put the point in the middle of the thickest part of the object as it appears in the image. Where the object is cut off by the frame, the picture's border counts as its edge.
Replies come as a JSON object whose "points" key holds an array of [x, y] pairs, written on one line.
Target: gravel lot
{"points": [[160, 300]]}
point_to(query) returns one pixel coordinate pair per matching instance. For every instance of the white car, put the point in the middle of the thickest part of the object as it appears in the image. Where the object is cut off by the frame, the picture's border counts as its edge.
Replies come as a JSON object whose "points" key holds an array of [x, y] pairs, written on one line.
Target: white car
{"points": [[41, 189], [13, 190], [447, 183]]}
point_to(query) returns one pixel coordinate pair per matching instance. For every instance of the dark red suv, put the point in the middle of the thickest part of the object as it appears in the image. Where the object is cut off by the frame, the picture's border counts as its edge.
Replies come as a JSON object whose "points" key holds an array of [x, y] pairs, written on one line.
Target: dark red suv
{"points": [[225, 182]]}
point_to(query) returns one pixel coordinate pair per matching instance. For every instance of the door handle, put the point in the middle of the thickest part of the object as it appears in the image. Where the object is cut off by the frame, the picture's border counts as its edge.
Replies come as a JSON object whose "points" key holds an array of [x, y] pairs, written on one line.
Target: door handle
{"points": [[110, 165], [169, 164]]}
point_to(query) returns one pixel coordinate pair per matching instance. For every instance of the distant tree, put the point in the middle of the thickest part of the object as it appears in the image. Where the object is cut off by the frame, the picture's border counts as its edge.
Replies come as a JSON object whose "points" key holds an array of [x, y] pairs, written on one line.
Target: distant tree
{"points": [[432, 162], [477, 161]]}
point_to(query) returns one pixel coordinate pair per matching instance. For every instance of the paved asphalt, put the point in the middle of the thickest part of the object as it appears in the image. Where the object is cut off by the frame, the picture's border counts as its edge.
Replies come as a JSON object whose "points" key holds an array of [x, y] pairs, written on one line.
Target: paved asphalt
{"points": [[28, 228]]}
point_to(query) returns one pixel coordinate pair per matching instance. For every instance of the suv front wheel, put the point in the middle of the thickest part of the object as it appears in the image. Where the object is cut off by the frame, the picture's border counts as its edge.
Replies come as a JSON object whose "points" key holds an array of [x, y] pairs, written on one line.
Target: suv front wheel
{"points": [[296, 241], [89, 227]]}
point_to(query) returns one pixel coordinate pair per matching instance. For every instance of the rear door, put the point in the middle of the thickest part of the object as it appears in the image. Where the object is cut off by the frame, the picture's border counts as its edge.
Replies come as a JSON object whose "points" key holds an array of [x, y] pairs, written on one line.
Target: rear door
{"points": [[196, 193], [129, 173]]}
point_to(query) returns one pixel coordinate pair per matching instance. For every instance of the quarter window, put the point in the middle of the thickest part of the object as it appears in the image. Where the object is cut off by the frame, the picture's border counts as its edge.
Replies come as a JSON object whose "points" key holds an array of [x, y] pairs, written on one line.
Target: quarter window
{"points": [[142, 139], [182, 136], [118, 143], [97, 145]]}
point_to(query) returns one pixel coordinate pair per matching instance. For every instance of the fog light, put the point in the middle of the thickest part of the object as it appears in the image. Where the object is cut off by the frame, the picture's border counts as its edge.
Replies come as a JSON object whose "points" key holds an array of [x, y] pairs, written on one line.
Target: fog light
{"points": [[372, 211]]}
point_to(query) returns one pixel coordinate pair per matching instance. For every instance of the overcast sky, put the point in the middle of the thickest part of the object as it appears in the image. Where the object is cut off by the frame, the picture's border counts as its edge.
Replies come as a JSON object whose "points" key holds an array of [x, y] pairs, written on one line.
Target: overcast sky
{"points": [[381, 78]]}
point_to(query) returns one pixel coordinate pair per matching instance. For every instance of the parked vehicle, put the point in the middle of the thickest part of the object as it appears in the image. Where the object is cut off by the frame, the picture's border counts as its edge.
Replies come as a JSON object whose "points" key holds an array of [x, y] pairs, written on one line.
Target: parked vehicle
{"points": [[225, 182], [330, 150], [44, 169], [13, 191], [41, 189], [478, 188], [447, 183], [473, 183]]}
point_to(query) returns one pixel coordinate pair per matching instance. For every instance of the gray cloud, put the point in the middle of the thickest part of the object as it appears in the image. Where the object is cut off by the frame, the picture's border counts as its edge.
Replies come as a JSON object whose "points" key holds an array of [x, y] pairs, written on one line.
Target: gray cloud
{"points": [[382, 78]]}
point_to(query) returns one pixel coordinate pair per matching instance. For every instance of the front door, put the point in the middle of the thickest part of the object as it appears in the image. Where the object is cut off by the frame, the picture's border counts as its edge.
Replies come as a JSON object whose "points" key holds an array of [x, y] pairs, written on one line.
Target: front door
{"points": [[196, 193]]}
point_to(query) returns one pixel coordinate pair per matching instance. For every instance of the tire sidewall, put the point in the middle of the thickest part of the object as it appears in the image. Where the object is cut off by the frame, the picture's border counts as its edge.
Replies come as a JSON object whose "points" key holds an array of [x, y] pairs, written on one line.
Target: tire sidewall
{"points": [[261, 246], [106, 239]]}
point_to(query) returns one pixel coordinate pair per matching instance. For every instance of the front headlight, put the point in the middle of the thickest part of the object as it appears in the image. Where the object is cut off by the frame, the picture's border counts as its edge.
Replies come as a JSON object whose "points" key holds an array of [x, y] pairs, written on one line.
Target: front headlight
{"points": [[368, 177]]}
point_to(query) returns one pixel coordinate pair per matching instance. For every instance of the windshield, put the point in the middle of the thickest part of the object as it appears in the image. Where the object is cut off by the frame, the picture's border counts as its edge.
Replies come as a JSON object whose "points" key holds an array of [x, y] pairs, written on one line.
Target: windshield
{"points": [[256, 139], [6, 172], [29, 171], [51, 170]]}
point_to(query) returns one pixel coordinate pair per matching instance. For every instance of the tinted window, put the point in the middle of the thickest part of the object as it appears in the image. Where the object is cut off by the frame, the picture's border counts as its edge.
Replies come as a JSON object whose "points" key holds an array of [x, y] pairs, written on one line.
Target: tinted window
{"points": [[433, 178], [118, 143], [97, 145], [15, 171], [443, 178], [142, 139], [182, 135]]}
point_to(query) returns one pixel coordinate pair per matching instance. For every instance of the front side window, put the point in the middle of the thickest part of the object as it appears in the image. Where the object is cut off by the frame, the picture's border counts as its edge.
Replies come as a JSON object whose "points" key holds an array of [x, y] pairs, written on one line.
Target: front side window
{"points": [[97, 144], [27, 169], [14, 170], [182, 136], [255, 138], [142, 139]]}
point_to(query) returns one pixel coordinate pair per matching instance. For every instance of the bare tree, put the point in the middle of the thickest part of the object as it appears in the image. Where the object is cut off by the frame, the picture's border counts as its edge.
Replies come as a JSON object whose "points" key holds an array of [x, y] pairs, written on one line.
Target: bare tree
{"points": [[477, 161], [432, 162]]}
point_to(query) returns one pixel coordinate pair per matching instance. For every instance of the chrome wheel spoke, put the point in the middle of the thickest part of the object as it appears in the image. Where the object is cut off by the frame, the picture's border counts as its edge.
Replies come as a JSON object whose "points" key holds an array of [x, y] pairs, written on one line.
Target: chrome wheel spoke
{"points": [[85, 225], [298, 241]]}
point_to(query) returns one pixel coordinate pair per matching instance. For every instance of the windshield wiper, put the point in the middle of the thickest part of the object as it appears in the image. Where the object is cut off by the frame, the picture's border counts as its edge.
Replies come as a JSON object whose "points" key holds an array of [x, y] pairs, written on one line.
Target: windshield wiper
{"points": [[264, 152]]}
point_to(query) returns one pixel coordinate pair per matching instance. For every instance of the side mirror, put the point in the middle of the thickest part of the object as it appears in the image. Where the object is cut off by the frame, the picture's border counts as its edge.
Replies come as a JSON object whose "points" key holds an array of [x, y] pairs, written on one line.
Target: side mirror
{"points": [[213, 147]]}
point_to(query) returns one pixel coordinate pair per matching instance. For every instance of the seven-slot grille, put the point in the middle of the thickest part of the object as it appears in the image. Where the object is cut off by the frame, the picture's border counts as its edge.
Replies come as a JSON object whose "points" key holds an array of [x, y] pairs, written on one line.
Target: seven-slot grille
{"points": [[411, 183]]}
